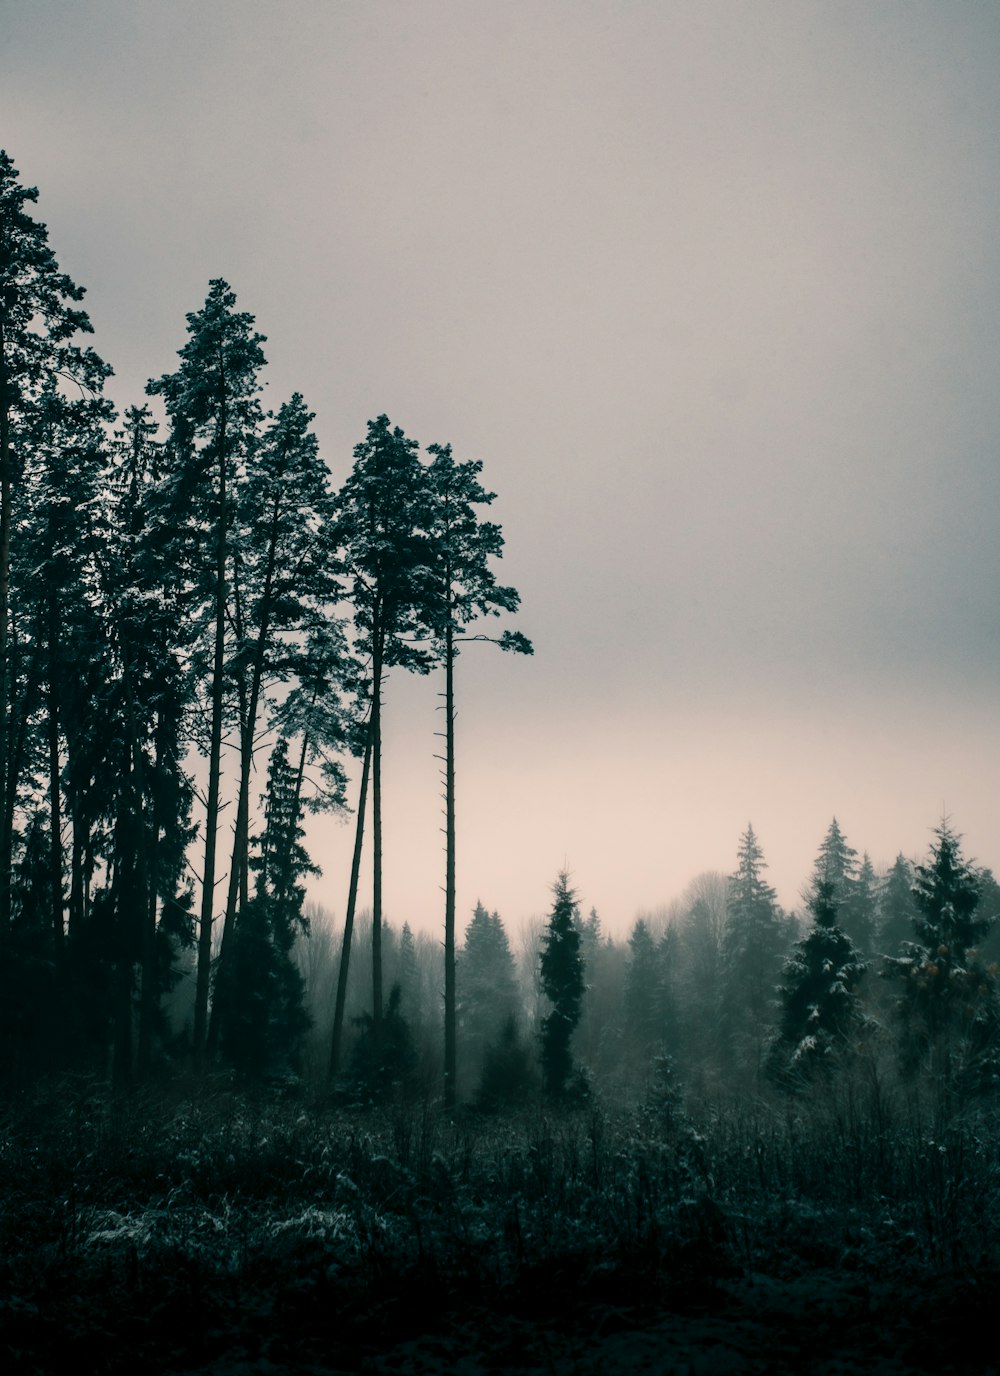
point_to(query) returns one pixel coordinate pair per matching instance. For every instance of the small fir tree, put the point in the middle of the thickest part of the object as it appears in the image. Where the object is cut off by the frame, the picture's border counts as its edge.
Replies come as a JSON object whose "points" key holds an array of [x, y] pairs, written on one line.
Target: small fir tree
{"points": [[948, 1006], [562, 981], [818, 996]]}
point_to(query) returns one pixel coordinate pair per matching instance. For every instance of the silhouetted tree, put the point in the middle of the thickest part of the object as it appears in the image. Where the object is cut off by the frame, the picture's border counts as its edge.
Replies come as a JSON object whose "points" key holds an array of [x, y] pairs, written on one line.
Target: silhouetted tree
{"points": [[562, 981], [818, 997], [947, 1005], [464, 589], [212, 405]]}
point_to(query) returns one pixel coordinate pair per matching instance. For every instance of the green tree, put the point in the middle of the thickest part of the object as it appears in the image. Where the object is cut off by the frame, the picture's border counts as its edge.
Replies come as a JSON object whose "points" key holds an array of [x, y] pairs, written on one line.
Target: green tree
{"points": [[947, 1006], [211, 401], [897, 907], [380, 524], [466, 590], [818, 997], [39, 319], [562, 982], [643, 1030], [266, 1017], [487, 986], [284, 585], [754, 945]]}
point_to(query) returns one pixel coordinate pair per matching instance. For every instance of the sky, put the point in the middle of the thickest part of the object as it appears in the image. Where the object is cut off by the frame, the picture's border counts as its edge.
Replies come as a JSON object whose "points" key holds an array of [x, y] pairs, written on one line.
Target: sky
{"points": [[711, 289]]}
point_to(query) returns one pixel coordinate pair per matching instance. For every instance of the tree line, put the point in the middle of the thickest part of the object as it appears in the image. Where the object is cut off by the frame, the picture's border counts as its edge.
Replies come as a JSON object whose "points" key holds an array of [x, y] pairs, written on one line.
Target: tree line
{"points": [[182, 592], [185, 589], [892, 977]]}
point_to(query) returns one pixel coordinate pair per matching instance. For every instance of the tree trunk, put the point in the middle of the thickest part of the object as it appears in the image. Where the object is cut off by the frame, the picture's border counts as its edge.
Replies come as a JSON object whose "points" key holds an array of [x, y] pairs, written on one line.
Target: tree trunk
{"points": [[214, 764], [450, 1018], [237, 895], [377, 839], [352, 900]]}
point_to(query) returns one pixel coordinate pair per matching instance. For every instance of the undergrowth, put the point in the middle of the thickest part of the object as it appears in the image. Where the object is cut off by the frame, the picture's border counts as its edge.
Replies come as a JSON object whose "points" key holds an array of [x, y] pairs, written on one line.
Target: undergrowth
{"points": [[175, 1218]]}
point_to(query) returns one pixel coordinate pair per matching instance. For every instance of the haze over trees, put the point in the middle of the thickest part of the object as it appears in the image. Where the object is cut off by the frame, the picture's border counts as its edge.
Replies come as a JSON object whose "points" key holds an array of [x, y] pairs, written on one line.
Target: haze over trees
{"points": [[189, 607]]}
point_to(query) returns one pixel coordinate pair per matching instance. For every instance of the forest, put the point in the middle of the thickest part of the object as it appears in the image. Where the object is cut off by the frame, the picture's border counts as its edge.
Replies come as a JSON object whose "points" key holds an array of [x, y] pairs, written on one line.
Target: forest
{"points": [[234, 1129]]}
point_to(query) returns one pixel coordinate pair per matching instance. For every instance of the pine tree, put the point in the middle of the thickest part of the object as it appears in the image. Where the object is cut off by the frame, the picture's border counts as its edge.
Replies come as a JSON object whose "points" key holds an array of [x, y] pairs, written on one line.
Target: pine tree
{"points": [[214, 413], [39, 318], [284, 586], [754, 943], [948, 1004], [487, 987], [897, 907], [464, 589], [643, 1030], [859, 912], [380, 525], [818, 996], [266, 1017], [562, 981]]}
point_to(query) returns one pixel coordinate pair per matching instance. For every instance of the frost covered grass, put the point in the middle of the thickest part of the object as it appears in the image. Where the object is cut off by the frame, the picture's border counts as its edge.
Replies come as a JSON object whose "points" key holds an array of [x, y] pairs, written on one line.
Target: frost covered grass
{"points": [[165, 1231]]}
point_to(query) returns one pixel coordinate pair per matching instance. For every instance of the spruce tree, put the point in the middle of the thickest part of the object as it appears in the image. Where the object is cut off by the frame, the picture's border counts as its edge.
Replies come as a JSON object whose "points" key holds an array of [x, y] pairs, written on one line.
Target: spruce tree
{"points": [[562, 982], [266, 1017], [948, 998], [643, 1030], [819, 1007], [754, 944], [487, 987]]}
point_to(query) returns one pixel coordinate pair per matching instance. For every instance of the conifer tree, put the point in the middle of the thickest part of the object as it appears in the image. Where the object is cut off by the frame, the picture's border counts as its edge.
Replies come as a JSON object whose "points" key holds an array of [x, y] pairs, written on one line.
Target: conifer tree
{"points": [[266, 1017], [39, 318], [947, 1007], [284, 585], [562, 981], [380, 532], [897, 907], [464, 589], [818, 997], [487, 987], [642, 992], [214, 413], [753, 947]]}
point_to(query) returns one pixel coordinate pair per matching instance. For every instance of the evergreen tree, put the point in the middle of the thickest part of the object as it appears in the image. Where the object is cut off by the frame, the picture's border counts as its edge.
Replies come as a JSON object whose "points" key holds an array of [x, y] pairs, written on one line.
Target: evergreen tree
{"points": [[266, 1018], [643, 1030], [487, 987], [897, 907], [948, 1009], [380, 529], [39, 318], [859, 914], [702, 974], [562, 981], [214, 413], [754, 943], [466, 589], [283, 585], [818, 996]]}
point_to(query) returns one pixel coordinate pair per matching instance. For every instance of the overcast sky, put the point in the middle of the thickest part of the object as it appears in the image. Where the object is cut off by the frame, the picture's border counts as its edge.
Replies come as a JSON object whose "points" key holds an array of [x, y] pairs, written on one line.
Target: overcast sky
{"points": [[712, 290]]}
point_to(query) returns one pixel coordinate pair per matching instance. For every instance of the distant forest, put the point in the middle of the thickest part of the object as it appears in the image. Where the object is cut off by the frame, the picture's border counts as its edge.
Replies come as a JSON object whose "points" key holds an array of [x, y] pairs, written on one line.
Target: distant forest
{"points": [[193, 599]]}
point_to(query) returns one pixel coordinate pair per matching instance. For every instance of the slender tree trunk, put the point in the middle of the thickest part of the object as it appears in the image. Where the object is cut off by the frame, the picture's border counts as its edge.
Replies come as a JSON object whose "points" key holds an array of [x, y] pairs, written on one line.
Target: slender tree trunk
{"points": [[55, 816], [237, 895], [214, 763], [336, 1044], [377, 840], [450, 1018]]}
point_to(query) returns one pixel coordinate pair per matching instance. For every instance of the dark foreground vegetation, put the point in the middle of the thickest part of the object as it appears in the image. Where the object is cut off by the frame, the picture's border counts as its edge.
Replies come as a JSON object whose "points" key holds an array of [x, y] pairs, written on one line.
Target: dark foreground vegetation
{"points": [[218, 1232]]}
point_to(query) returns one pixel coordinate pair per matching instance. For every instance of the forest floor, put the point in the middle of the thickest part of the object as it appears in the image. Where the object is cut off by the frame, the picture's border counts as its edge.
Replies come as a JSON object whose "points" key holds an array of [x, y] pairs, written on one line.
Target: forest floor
{"points": [[221, 1236]]}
